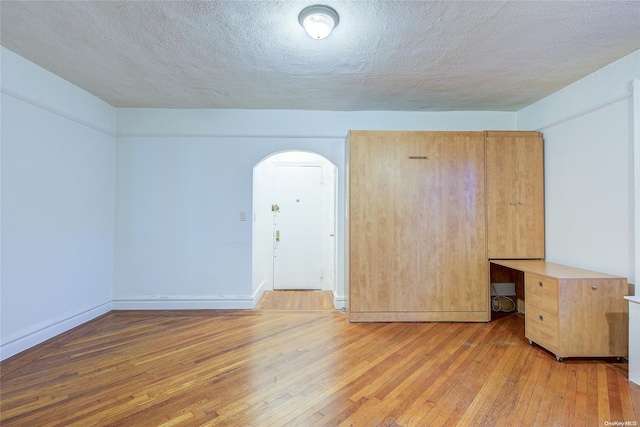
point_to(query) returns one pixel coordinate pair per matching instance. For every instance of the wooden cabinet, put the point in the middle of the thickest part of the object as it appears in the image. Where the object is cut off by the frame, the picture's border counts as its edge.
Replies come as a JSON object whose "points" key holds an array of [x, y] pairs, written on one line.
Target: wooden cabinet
{"points": [[542, 324], [515, 194], [573, 312], [416, 227]]}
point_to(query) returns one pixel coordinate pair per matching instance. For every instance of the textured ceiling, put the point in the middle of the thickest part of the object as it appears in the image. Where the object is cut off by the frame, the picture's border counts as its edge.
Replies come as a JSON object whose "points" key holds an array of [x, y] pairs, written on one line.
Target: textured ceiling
{"points": [[384, 55]]}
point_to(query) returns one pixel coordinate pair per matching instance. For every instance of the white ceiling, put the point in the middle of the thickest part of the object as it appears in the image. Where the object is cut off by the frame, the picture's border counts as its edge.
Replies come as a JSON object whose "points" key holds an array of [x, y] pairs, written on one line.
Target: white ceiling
{"points": [[384, 55]]}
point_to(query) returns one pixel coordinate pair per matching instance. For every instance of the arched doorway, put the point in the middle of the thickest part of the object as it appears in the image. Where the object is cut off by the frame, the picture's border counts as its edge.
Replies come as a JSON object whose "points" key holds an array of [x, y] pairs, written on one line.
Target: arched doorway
{"points": [[280, 175]]}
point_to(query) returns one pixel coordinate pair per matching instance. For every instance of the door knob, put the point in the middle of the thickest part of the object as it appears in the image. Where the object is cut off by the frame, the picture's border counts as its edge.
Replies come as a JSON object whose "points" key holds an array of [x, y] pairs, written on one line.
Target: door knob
{"points": [[277, 235]]}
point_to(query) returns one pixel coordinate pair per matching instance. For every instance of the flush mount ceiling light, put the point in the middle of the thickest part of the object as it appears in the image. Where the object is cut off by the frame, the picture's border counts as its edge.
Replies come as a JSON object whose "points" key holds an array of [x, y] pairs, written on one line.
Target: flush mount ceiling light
{"points": [[318, 20]]}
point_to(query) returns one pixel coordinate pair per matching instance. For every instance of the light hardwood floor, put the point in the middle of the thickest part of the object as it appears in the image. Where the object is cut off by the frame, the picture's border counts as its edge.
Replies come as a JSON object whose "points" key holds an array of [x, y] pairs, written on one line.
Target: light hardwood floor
{"points": [[296, 300], [289, 367]]}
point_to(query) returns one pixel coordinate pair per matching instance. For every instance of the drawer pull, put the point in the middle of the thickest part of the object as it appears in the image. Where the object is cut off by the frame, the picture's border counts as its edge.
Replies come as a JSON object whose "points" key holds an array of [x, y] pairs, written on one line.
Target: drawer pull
{"points": [[541, 317], [594, 287], [540, 284]]}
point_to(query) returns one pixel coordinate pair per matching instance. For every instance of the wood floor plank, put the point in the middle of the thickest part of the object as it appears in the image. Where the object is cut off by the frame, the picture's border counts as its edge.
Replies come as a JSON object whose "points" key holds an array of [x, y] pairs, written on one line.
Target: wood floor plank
{"points": [[626, 397], [558, 394], [296, 300], [615, 401], [505, 390], [547, 393], [478, 409], [446, 367], [580, 403], [455, 372], [604, 412], [539, 383], [295, 367], [591, 414], [634, 394], [512, 397], [568, 409]]}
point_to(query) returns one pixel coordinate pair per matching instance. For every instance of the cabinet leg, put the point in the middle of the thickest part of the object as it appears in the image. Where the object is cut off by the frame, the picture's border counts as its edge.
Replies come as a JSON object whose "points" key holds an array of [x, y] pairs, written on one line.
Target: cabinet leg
{"points": [[558, 358], [530, 342]]}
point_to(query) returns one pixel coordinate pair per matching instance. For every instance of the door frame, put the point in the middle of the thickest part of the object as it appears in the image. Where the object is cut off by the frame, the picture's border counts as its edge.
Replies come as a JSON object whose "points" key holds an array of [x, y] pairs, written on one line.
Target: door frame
{"points": [[262, 217]]}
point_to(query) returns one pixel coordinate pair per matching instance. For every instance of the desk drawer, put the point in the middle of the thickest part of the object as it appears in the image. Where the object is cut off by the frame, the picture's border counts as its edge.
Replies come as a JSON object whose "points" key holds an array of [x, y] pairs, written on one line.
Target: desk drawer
{"points": [[541, 327], [541, 292]]}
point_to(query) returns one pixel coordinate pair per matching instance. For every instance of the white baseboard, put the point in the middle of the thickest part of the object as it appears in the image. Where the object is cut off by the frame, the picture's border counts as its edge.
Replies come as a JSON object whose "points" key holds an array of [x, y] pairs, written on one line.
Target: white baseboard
{"points": [[258, 293], [180, 302], [42, 332]]}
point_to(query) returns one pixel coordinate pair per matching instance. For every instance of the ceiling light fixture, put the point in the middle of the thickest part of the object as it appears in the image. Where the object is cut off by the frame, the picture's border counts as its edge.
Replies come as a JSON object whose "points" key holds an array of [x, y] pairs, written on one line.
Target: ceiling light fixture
{"points": [[318, 20]]}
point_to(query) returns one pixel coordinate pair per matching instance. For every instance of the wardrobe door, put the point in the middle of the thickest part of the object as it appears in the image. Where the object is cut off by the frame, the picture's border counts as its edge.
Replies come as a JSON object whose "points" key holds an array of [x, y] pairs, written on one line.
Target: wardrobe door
{"points": [[501, 213], [515, 195], [417, 226], [388, 208], [529, 231]]}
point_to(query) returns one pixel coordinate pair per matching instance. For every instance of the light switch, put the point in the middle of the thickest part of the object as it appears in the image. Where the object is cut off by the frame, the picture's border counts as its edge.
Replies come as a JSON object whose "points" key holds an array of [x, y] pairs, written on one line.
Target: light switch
{"points": [[243, 216]]}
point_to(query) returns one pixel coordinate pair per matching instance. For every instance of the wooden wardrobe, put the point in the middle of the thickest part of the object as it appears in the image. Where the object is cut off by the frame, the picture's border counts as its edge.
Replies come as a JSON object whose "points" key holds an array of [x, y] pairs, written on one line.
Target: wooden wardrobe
{"points": [[515, 195], [417, 226]]}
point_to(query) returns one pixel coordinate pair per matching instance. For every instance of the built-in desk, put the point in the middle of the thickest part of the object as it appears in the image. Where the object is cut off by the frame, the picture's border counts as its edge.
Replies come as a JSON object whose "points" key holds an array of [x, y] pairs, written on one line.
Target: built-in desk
{"points": [[573, 312]]}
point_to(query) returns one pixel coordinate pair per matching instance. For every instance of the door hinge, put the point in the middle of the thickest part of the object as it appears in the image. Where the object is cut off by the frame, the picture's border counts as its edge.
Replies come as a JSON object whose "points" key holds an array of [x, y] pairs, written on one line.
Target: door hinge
{"points": [[275, 208]]}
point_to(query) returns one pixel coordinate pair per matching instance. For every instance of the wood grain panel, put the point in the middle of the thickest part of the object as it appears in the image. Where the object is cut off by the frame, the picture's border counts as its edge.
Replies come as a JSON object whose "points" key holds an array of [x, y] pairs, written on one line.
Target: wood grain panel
{"points": [[602, 312], [515, 194], [543, 328], [418, 316], [501, 175], [542, 292], [529, 195], [417, 222], [550, 269]]}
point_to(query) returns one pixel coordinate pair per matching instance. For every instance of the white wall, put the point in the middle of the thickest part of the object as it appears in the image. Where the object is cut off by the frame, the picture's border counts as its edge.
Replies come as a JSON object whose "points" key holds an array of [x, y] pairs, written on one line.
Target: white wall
{"points": [[58, 165], [589, 169], [183, 176], [298, 124], [263, 193], [179, 241]]}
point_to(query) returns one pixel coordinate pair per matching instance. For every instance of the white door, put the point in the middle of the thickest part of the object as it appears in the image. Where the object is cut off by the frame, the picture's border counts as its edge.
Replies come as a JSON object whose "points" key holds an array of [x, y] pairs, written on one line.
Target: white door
{"points": [[297, 227]]}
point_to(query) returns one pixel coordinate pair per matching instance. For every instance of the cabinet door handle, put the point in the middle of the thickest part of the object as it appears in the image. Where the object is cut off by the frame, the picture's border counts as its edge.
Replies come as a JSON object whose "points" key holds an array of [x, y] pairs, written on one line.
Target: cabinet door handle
{"points": [[540, 284], [521, 202], [512, 202], [541, 317], [594, 287]]}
